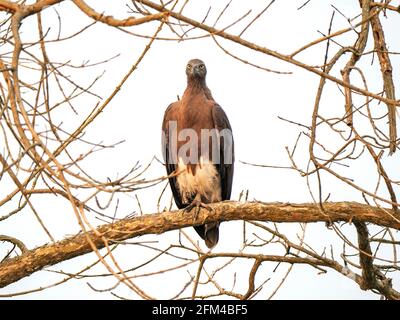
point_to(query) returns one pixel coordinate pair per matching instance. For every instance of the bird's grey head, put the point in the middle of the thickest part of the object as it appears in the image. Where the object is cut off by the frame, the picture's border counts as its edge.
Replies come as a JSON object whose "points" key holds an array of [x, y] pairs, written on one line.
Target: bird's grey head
{"points": [[196, 69]]}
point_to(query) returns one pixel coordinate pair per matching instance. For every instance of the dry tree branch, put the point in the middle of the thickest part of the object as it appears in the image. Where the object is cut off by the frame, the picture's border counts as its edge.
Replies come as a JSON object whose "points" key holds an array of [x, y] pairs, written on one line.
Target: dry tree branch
{"points": [[359, 48], [17, 268], [111, 21], [366, 261], [386, 69], [385, 6], [26, 10], [14, 241]]}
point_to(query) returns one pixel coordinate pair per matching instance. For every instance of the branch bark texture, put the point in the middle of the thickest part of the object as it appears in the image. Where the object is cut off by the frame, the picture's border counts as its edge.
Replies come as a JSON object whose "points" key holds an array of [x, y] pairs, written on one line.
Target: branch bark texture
{"points": [[14, 269]]}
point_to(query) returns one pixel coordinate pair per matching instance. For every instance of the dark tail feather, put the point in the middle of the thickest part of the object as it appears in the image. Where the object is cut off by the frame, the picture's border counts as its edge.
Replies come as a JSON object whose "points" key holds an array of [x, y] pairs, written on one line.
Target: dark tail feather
{"points": [[209, 233]]}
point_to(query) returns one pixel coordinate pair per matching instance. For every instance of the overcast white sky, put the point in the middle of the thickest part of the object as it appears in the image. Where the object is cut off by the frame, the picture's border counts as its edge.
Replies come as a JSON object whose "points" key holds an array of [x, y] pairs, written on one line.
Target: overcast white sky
{"points": [[252, 98]]}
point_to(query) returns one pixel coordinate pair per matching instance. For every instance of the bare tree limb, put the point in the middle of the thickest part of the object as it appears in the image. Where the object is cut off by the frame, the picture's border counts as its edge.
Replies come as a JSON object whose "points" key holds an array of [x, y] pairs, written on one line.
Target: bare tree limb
{"points": [[386, 69], [359, 48], [366, 260], [26, 10], [14, 241], [34, 260], [110, 20]]}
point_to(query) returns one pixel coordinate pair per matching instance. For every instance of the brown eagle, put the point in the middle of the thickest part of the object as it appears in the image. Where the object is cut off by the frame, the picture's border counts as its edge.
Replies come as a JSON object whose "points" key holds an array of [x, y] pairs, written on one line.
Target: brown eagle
{"points": [[198, 149]]}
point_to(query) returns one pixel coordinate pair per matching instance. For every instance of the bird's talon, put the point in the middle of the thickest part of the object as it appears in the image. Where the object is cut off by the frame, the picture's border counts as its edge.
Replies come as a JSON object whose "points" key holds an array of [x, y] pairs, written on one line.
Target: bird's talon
{"points": [[197, 204]]}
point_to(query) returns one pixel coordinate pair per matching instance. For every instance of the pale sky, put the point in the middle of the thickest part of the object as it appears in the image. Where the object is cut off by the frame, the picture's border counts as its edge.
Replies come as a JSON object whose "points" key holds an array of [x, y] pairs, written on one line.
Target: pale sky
{"points": [[252, 98]]}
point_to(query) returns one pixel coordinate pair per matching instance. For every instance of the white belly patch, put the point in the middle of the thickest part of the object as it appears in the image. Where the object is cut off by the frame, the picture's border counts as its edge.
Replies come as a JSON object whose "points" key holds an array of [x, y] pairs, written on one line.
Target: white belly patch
{"points": [[205, 182]]}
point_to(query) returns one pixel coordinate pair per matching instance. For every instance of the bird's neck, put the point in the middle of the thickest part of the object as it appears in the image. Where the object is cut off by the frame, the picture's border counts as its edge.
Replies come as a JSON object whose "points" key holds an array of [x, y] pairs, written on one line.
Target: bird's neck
{"points": [[197, 86]]}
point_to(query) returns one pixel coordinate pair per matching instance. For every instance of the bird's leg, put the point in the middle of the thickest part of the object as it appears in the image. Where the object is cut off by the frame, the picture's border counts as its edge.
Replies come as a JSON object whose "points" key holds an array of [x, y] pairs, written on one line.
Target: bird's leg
{"points": [[196, 203]]}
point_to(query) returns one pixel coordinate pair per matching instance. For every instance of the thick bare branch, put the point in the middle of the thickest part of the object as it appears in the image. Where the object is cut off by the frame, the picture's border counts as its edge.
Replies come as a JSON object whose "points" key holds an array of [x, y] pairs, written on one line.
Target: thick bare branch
{"points": [[386, 69], [17, 268], [26, 10], [366, 260]]}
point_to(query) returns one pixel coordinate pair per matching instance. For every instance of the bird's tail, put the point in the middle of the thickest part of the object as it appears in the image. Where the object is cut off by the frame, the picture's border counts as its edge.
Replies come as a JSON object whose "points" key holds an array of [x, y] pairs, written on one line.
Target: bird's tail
{"points": [[209, 232]]}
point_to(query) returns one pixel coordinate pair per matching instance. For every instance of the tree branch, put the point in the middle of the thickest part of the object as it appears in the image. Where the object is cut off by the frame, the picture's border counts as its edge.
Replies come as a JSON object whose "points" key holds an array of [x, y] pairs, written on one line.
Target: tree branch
{"points": [[8, 6], [387, 71], [26, 10], [366, 260], [12, 270], [111, 21], [14, 241]]}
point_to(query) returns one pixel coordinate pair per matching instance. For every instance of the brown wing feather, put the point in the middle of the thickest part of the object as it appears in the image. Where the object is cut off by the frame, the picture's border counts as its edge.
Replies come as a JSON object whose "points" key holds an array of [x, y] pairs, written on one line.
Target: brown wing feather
{"points": [[226, 167], [170, 166]]}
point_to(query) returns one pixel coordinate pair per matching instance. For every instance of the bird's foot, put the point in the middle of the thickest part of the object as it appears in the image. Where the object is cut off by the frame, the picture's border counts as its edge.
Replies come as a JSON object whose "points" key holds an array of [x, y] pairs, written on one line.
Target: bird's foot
{"points": [[197, 204]]}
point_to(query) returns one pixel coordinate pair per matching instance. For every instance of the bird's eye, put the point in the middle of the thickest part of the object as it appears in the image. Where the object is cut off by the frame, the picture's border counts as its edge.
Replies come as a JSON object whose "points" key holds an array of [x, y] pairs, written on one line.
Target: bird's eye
{"points": [[188, 67], [202, 66]]}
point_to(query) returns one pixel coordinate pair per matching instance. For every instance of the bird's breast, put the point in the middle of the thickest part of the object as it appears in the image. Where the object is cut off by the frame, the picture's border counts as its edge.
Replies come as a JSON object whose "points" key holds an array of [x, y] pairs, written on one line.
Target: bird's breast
{"points": [[201, 178]]}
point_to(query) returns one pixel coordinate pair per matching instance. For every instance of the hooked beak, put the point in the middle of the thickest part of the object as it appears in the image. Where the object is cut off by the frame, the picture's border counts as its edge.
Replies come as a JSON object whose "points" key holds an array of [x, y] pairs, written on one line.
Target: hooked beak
{"points": [[196, 71]]}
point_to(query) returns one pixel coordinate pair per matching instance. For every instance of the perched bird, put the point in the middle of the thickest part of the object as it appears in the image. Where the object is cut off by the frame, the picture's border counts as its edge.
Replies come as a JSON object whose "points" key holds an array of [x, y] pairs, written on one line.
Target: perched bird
{"points": [[198, 149]]}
